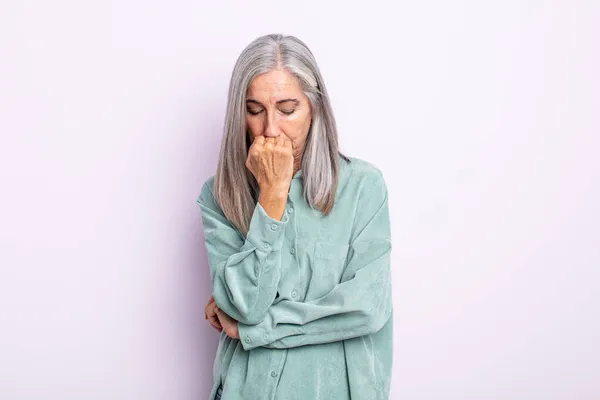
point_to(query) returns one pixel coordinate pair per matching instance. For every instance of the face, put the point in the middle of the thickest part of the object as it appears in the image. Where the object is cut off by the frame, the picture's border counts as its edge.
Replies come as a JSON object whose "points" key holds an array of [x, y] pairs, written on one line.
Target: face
{"points": [[276, 105]]}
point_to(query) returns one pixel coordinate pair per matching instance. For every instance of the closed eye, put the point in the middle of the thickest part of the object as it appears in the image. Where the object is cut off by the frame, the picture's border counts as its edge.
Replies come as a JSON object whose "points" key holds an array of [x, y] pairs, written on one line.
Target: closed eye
{"points": [[286, 112]]}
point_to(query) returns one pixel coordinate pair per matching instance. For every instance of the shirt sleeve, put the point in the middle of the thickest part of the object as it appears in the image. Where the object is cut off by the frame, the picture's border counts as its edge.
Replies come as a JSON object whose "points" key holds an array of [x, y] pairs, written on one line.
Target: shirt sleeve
{"points": [[244, 272], [361, 304]]}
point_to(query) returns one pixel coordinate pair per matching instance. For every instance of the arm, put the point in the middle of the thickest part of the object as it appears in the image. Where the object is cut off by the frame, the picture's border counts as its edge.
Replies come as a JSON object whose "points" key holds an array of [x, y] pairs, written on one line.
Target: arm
{"points": [[244, 272], [360, 305]]}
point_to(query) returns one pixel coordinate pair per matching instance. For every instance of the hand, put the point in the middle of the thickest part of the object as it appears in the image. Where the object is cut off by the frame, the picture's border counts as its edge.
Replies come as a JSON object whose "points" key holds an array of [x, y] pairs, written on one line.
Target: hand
{"points": [[210, 313], [229, 324], [271, 161]]}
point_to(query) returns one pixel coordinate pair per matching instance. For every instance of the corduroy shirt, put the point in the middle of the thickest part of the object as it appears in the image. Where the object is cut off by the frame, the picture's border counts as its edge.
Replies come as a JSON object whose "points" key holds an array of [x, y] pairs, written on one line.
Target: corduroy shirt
{"points": [[312, 294]]}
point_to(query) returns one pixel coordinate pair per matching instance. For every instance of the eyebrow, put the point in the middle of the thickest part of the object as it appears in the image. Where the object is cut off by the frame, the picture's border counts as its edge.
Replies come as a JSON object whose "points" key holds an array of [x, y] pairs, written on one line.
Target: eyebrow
{"points": [[296, 101]]}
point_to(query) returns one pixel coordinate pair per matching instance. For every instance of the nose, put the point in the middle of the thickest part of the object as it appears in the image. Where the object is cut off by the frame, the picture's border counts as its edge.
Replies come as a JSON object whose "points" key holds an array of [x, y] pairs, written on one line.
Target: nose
{"points": [[271, 130]]}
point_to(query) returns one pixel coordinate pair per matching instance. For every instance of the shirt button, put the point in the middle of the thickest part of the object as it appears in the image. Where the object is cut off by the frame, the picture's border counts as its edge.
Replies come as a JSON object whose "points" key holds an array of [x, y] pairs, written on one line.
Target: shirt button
{"points": [[248, 340], [290, 210], [294, 293], [274, 227], [293, 250], [265, 336], [266, 246], [274, 374]]}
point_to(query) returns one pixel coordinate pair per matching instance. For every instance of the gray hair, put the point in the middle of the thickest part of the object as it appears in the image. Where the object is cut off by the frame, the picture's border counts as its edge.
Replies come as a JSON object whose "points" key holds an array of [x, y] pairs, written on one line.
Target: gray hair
{"points": [[235, 189]]}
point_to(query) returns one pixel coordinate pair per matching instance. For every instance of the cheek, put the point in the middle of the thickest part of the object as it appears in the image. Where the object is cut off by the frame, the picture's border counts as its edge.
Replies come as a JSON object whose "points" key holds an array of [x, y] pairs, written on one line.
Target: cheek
{"points": [[298, 125], [253, 125]]}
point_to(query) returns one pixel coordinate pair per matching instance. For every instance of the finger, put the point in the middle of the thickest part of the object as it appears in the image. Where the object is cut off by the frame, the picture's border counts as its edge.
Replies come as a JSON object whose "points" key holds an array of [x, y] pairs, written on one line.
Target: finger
{"points": [[208, 307], [229, 324], [218, 328], [257, 146], [224, 319], [214, 321], [211, 301], [280, 140], [213, 316], [287, 142], [210, 312]]}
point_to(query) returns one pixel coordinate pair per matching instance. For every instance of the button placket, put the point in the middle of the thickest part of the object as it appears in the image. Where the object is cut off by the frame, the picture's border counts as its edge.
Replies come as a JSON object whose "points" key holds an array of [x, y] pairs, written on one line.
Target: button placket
{"points": [[277, 365], [292, 232]]}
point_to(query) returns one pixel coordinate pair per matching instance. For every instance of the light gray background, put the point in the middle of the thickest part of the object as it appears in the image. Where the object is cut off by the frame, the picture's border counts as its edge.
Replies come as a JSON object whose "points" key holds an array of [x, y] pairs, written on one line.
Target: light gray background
{"points": [[483, 116]]}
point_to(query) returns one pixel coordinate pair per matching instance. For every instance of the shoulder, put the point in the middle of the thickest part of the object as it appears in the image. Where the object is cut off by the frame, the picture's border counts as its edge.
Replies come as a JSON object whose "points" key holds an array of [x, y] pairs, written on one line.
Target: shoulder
{"points": [[206, 194], [366, 196], [363, 173]]}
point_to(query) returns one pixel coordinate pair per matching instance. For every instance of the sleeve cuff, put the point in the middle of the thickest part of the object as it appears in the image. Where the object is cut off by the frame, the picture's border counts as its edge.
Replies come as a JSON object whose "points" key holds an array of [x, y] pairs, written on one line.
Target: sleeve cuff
{"points": [[266, 233], [253, 336]]}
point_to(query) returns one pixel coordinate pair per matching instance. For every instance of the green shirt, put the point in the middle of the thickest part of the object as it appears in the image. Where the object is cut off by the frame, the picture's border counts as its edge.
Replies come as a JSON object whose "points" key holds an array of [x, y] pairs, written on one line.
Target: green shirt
{"points": [[312, 294]]}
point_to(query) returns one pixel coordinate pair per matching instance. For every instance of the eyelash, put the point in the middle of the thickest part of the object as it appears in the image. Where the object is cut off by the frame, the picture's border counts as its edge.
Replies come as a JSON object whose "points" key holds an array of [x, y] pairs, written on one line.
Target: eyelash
{"points": [[256, 113]]}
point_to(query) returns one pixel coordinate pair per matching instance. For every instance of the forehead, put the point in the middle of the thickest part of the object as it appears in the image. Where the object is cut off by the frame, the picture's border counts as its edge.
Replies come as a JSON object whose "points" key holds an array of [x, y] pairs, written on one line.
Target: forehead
{"points": [[274, 84]]}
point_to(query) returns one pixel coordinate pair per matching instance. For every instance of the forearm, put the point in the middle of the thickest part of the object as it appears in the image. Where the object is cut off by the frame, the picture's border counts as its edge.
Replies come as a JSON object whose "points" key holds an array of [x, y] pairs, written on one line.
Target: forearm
{"points": [[361, 304], [356, 307], [244, 272], [245, 285], [273, 200], [231, 278]]}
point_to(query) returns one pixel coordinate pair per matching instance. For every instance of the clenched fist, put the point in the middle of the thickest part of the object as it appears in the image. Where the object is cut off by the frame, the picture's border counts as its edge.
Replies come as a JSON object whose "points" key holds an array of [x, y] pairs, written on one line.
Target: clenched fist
{"points": [[271, 161]]}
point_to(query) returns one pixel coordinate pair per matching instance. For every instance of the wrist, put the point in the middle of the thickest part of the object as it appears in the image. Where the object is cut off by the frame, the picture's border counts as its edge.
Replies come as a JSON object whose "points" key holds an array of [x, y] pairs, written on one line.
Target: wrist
{"points": [[274, 193], [273, 202]]}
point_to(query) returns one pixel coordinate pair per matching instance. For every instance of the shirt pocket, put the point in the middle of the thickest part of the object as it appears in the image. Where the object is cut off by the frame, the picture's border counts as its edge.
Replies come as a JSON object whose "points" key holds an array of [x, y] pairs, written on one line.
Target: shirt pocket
{"points": [[328, 262]]}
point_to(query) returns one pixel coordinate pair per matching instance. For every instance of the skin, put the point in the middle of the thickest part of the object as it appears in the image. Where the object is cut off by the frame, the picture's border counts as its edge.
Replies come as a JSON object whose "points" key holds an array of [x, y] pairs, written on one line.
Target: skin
{"points": [[267, 95], [210, 314], [278, 116]]}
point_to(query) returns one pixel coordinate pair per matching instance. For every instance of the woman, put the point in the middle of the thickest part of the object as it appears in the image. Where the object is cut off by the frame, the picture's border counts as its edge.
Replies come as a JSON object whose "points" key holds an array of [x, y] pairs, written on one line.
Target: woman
{"points": [[298, 241]]}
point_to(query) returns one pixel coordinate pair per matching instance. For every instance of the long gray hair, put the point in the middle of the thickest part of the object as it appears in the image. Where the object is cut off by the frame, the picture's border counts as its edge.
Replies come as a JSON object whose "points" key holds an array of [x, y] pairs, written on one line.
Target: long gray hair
{"points": [[235, 188]]}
